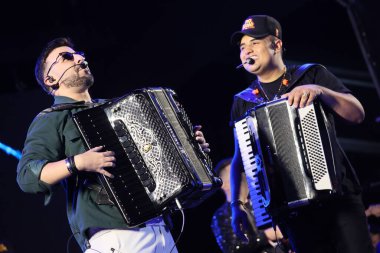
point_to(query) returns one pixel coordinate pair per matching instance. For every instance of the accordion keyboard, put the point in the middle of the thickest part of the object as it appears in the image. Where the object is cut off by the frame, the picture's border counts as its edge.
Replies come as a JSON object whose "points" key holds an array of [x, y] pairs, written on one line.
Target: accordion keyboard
{"points": [[253, 171], [131, 195]]}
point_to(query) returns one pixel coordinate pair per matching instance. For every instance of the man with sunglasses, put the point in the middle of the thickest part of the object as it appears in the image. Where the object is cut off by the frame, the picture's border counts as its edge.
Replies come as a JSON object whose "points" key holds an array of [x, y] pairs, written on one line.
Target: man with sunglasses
{"points": [[54, 152]]}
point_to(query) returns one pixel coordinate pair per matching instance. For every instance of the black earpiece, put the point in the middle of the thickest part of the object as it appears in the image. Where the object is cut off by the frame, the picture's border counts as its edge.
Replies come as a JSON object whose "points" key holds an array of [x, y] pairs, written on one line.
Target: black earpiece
{"points": [[273, 45]]}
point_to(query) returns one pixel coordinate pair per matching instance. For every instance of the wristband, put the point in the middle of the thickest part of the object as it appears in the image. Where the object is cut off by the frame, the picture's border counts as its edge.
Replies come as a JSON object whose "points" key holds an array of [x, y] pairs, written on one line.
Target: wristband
{"points": [[237, 203], [70, 164]]}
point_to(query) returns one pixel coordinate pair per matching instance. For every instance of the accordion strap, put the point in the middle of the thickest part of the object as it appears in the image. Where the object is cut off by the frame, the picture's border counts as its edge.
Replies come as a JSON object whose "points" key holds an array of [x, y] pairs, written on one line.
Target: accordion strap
{"points": [[296, 76], [67, 106], [300, 72]]}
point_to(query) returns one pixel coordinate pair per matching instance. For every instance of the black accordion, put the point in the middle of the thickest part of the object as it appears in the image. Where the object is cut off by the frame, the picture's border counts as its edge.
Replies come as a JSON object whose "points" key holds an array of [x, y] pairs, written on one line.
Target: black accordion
{"points": [[158, 161], [287, 158]]}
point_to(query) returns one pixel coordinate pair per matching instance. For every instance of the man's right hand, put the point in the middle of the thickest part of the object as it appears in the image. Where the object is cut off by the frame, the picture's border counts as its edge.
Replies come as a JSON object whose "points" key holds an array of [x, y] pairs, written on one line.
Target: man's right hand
{"points": [[240, 222], [94, 160]]}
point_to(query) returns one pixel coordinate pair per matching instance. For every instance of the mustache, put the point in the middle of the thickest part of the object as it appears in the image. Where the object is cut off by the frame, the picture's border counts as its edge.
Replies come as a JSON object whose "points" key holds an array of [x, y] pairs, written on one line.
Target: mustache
{"points": [[78, 66]]}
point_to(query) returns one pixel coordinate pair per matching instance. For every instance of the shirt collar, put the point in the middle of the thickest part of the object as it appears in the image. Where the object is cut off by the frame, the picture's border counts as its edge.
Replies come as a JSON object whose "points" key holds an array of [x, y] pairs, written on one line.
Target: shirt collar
{"points": [[65, 100]]}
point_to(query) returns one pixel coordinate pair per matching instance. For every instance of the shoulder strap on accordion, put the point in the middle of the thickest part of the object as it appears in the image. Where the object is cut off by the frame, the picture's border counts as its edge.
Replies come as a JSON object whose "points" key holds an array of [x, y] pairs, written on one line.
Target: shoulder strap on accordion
{"points": [[301, 70], [296, 76], [61, 107], [67, 106]]}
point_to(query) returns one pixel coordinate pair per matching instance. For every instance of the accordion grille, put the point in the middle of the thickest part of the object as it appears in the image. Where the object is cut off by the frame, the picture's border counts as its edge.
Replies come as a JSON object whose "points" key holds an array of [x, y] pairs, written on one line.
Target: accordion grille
{"points": [[158, 153], [314, 146], [284, 144]]}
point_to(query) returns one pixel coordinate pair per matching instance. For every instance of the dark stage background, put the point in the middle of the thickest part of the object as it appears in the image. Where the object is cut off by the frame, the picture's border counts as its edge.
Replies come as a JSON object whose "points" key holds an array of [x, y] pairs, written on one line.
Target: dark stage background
{"points": [[183, 45]]}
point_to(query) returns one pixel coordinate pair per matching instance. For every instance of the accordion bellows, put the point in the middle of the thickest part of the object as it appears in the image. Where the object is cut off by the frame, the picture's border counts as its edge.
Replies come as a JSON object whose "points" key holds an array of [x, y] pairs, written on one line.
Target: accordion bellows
{"points": [[287, 157], [157, 157]]}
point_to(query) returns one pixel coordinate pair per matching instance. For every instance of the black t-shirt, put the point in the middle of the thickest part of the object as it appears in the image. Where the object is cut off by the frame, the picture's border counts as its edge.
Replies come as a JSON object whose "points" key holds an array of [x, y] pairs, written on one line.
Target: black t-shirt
{"points": [[317, 74]]}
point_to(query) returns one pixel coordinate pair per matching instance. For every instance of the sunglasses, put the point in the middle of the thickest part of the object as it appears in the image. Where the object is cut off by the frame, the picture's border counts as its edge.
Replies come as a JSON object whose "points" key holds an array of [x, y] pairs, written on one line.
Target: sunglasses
{"points": [[65, 56]]}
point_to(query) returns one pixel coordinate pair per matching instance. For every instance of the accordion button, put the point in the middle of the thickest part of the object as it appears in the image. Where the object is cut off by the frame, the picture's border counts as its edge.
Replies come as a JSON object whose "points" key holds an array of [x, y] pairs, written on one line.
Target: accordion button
{"points": [[120, 133], [117, 125], [144, 177], [139, 166], [151, 187], [141, 171], [147, 183], [128, 148], [134, 159], [131, 155]]}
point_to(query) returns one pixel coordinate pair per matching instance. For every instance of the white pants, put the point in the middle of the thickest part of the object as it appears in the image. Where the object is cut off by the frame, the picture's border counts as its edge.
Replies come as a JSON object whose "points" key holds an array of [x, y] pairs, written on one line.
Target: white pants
{"points": [[149, 239]]}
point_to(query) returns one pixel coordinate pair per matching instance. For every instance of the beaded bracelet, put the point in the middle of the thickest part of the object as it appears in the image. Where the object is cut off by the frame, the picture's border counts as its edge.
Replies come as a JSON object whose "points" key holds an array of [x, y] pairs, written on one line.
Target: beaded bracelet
{"points": [[70, 164], [237, 203]]}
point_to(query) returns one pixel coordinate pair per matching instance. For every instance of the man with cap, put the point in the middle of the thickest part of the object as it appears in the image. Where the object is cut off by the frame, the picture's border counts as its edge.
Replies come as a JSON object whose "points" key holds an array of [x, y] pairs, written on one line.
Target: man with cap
{"points": [[55, 153], [339, 224]]}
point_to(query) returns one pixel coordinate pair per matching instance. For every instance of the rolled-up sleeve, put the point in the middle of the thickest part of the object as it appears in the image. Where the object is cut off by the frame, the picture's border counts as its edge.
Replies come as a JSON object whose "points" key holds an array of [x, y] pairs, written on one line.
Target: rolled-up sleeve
{"points": [[42, 145]]}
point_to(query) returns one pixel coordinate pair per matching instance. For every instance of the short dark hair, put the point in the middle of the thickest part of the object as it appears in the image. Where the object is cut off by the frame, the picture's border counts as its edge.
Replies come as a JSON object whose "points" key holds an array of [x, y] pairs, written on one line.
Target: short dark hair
{"points": [[222, 165], [40, 64]]}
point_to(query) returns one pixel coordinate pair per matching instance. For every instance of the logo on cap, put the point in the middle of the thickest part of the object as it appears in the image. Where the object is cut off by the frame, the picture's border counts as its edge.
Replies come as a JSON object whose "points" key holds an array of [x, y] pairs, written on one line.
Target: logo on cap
{"points": [[248, 24]]}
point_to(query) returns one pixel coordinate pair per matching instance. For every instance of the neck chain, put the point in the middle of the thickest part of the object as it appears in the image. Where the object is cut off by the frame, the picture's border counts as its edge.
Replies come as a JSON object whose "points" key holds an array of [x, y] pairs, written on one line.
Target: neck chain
{"points": [[284, 82]]}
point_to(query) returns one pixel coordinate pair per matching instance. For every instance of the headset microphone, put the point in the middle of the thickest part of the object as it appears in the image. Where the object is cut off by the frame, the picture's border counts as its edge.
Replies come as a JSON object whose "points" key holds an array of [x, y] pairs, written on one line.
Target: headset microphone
{"points": [[249, 61], [83, 64]]}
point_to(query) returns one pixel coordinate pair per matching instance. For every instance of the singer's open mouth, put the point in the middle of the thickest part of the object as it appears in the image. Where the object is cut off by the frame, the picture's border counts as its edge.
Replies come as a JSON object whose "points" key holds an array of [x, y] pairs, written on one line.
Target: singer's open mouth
{"points": [[79, 68]]}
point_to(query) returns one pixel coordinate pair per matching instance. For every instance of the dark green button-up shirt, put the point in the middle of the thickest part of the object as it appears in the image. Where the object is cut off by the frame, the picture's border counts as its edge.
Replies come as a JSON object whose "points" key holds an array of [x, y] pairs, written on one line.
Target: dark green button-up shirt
{"points": [[51, 137]]}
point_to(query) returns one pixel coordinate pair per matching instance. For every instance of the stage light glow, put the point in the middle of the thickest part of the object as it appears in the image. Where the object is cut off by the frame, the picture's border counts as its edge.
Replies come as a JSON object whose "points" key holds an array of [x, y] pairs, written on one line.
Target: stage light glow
{"points": [[10, 151]]}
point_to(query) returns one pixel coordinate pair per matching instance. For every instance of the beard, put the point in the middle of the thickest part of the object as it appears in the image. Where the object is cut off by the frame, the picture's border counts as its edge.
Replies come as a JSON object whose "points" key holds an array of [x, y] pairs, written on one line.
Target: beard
{"points": [[85, 81]]}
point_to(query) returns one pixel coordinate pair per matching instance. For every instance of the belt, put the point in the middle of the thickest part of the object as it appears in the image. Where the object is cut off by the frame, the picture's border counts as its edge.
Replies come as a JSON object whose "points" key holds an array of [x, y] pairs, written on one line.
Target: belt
{"points": [[90, 232]]}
